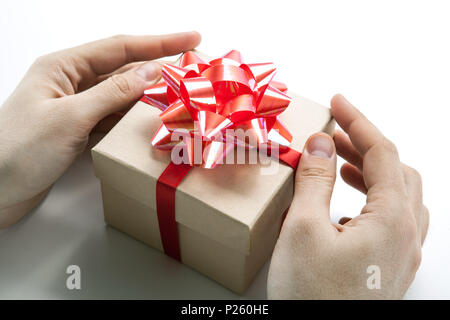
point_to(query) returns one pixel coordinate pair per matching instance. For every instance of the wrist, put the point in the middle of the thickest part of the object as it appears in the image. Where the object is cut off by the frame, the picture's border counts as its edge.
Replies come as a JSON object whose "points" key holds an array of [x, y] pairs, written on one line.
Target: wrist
{"points": [[12, 214]]}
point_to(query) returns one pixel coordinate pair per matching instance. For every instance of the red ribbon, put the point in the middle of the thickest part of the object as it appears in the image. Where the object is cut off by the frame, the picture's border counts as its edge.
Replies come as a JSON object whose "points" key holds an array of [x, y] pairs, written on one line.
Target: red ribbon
{"points": [[202, 100], [166, 186]]}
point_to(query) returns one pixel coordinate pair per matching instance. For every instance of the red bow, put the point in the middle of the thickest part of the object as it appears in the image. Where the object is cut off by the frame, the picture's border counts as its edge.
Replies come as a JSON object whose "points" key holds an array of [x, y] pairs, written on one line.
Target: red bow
{"points": [[204, 99]]}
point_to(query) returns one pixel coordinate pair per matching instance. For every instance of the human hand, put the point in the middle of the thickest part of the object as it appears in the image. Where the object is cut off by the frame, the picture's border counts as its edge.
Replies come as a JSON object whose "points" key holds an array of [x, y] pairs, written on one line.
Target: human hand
{"points": [[47, 120], [314, 259]]}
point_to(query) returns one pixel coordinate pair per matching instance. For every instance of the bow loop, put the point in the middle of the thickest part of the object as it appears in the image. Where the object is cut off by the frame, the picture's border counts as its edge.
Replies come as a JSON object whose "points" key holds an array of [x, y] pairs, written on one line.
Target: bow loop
{"points": [[271, 102], [212, 125], [198, 93], [234, 55], [240, 108], [158, 96], [177, 116], [263, 73], [172, 75], [191, 61], [222, 72]]}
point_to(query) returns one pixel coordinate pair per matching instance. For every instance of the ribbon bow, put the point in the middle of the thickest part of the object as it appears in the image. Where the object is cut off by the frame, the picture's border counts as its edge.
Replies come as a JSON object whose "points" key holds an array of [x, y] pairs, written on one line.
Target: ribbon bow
{"points": [[204, 99]]}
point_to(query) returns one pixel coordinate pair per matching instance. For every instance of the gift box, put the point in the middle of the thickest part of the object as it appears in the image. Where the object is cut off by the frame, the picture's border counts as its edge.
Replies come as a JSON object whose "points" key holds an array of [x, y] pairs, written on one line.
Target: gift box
{"points": [[226, 219]]}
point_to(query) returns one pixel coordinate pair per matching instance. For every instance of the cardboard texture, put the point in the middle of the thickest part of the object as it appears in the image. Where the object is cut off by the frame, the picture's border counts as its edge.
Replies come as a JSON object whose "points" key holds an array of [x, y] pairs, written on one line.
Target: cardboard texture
{"points": [[228, 217]]}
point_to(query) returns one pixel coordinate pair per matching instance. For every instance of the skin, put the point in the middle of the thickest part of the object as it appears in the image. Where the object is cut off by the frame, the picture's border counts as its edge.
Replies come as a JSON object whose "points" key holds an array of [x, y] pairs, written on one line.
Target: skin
{"points": [[66, 95], [316, 259]]}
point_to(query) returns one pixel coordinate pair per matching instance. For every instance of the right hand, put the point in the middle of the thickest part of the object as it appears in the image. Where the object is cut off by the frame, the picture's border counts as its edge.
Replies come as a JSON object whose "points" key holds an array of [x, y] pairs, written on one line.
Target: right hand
{"points": [[315, 259]]}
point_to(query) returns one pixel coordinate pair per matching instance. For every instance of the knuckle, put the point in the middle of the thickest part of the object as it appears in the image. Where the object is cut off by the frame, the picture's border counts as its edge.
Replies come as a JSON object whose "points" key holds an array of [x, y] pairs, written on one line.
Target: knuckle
{"points": [[408, 213], [318, 173], [426, 214], [410, 230], [52, 61], [390, 146], [416, 258], [44, 59], [402, 226], [313, 176], [121, 84], [415, 174]]}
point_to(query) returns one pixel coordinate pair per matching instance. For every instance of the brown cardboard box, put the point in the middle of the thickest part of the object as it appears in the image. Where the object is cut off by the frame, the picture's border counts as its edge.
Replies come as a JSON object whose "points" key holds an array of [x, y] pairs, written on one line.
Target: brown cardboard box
{"points": [[228, 217]]}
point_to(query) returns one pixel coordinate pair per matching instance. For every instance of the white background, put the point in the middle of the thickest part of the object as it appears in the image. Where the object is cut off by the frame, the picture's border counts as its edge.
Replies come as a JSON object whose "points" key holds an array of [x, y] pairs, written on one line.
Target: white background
{"points": [[390, 58]]}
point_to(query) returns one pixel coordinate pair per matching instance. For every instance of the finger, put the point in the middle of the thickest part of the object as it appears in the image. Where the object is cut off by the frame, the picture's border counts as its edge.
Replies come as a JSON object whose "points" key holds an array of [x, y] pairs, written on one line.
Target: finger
{"points": [[363, 134], [381, 164], [88, 83], [353, 177], [346, 150], [125, 68], [314, 182], [105, 56], [114, 94], [122, 69]]}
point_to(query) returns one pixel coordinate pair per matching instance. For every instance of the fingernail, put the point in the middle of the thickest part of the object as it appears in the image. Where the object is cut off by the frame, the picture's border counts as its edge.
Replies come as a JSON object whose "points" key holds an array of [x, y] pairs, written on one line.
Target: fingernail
{"points": [[148, 71], [320, 146]]}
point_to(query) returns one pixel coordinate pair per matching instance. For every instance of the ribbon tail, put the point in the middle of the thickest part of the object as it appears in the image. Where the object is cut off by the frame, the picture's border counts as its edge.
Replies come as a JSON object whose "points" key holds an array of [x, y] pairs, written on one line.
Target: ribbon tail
{"points": [[165, 207], [290, 157]]}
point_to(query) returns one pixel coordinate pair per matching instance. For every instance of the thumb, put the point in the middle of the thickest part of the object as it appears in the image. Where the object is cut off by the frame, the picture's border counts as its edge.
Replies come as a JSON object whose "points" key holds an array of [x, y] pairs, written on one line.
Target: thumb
{"points": [[117, 92], [314, 179]]}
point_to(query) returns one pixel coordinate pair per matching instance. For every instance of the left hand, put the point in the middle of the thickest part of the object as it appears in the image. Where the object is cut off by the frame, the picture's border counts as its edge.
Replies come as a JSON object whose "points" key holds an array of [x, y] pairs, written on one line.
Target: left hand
{"points": [[47, 120]]}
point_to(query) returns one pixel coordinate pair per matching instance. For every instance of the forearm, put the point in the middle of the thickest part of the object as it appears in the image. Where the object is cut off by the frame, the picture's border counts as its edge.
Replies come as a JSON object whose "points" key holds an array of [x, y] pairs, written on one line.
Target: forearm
{"points": [[12, 214], [10, 181], [20, 178]]}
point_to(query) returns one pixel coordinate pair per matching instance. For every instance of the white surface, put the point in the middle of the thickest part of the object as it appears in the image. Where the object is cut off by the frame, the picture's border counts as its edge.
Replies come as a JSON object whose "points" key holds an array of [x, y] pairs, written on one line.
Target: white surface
{"points": [[391, 59]]}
